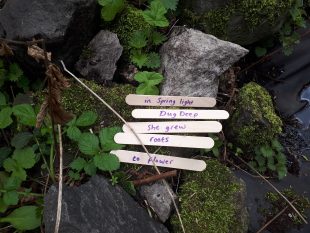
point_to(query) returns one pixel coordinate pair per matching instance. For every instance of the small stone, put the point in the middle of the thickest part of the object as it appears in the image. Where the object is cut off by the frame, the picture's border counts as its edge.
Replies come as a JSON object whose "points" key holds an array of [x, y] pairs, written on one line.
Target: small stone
{"points": [[97, 207], [159, 199], [192, 61], [98, 60]]}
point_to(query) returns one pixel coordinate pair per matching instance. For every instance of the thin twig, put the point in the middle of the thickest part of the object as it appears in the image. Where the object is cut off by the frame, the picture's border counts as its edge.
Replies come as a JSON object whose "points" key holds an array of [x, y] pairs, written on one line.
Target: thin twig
{"points": [[135, 134], [59, 201], [274, 218], [271, 185], [155, 178]]}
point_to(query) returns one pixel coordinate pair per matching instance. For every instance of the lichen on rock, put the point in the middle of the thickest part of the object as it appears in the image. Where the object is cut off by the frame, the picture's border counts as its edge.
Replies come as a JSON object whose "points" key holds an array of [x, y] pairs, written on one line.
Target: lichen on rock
{"points": [[254, 121], [212, 201], [77, 100]]}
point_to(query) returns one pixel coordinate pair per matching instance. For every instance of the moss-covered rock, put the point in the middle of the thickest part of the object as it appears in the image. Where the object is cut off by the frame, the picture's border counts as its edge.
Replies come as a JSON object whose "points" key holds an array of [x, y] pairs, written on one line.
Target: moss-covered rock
{"points": [[212, 201], [130, 20], [77, 100], [241, 21], [254, 121]]}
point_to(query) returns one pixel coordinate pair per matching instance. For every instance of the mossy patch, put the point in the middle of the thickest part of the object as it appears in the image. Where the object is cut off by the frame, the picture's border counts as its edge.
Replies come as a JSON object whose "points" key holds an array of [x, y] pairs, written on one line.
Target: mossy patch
{"points": [[131, 20], [254, 121], [289, 219], [208, 201], [253, 13], [77, 100]]}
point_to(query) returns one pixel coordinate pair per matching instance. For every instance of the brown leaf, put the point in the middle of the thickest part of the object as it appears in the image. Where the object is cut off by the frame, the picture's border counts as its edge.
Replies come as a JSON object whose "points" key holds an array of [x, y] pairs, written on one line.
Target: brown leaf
{"points": [[42, 113], [5, 50], [57, 83], [37, 53]]}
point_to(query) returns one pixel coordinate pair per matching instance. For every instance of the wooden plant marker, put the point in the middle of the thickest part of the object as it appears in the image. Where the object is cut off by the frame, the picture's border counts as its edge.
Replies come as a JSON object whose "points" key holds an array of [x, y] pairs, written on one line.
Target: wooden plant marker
{"points": [[179, 114], [174, 127], [170, 101], [160, 160], [165, 140]]}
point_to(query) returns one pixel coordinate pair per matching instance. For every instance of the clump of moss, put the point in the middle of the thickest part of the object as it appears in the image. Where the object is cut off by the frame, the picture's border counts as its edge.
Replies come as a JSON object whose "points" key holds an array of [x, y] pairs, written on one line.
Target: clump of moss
{"points": [[289, 218], [254, 121], [208, 202], [131, 20], [77, 100], [253, 13]]}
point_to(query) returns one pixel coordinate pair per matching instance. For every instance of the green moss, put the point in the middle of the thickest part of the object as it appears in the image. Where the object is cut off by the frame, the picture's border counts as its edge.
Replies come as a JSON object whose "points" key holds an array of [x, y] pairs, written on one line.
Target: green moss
{"points": [[254, 13], [77, 100], [277, 204], [208, 202], [254, 122], [131, 20]]}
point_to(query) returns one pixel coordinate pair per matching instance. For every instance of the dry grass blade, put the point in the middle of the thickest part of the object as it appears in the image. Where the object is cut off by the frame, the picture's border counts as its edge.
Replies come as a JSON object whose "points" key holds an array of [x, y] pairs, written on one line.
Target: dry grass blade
{"points": [[37, 53], [5, 50], [57, 83]]}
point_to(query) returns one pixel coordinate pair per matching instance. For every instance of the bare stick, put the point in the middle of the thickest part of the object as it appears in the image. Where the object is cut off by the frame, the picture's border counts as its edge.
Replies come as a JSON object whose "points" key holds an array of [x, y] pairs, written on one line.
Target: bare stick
{"points": [[59, 201], [274, 218], [155, 178], [135, 134], [267, 181]]}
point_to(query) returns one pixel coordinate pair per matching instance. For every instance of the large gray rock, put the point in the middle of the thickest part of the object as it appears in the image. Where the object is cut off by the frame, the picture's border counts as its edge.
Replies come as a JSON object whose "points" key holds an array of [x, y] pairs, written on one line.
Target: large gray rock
{"points": [[98, 207], [192, 61], [66, 25], [159, 199], [99, 64]]}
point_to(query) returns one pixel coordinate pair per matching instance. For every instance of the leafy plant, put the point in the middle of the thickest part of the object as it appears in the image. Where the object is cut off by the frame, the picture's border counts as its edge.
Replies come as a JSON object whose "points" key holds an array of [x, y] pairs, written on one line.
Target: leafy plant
{"points": [[155, 15], [218, 143], [270, 157], [148, 82], [288, 36], [110, 8]]}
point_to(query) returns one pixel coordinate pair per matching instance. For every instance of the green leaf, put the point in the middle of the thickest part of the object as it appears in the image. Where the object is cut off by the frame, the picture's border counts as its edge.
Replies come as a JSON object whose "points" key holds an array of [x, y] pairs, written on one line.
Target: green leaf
{"points": [[138, 40], [74, 133], [10, 165], [129, 187], [281, 158], [157, 38], [10, 198], [107, 162], [89, 144], [24, 218], [5, 117], [106, 137], [90, 168], [78, 164], [23, 83], [25, 113], [277, 145], [25, 158], [282, 171], [153, 60], [87, 118], [145, 89], [12, 183], [153, 78], [15, 72], [170, 4], [260, 160], [3, 206], [4, 153], [74, 175], [155, 16], [2, 99], [110, 8], [266, 151], [21, 139], [270, 163], [260, 51], [138, 58]]}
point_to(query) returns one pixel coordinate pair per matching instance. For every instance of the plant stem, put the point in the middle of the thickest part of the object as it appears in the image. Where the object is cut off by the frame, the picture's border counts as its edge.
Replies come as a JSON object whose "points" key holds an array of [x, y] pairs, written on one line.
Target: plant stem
{"points": [[52, 172], [24, 193]]}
